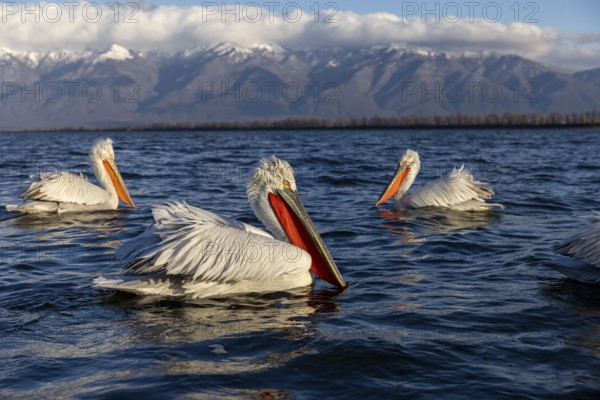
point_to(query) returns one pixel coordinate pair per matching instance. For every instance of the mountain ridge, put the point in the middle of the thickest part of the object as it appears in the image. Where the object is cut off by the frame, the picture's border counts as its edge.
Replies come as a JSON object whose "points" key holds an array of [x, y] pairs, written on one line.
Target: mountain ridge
{"points": [[230, 82]]}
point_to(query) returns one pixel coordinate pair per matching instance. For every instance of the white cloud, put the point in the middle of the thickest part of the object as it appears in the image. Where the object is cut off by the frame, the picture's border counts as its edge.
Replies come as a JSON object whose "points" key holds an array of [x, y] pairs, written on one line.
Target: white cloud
{"points": [[143, 27]]}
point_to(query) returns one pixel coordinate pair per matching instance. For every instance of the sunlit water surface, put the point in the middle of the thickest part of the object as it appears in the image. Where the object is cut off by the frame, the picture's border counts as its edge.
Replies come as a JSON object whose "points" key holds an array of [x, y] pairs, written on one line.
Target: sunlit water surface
{"points": [[440, 304]]}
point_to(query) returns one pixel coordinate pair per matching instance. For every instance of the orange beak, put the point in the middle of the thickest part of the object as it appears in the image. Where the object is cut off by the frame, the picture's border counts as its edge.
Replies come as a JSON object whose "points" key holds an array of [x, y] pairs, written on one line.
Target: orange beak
{"points": [[392, 188], [117, 180], [302, 233]]}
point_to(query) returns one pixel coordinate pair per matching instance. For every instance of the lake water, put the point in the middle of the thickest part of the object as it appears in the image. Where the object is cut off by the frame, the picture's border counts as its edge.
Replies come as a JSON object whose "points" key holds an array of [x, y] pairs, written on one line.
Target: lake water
{"points": [[440, 304]]}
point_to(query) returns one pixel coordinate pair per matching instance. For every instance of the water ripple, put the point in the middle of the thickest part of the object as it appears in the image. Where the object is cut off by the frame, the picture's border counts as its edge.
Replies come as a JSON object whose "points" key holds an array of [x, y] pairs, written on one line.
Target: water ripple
{"points": [[440, 303]]}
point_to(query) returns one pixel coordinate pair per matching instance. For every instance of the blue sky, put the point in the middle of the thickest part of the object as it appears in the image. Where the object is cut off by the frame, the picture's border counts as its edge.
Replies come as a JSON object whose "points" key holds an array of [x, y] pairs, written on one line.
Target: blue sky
{"points": [[562, 34], [581, 16]]}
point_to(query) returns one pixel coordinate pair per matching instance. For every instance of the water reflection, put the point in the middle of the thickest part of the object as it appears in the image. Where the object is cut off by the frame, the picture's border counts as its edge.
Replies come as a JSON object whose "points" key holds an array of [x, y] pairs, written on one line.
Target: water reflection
{"points": [[64, 238], [285, 315], [436, 220], [101, 220], [237, 335], [582, 299], [398, 226]]}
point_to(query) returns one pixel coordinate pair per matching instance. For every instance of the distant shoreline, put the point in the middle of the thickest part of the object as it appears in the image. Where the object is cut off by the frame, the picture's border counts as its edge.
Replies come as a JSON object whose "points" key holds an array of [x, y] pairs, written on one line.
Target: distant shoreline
{"points": [[508, 120], [299, 129]]}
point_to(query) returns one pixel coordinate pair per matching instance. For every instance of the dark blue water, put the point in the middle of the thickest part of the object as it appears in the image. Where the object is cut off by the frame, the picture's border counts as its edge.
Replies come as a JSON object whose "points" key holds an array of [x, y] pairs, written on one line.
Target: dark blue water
{"points": [[440, 304]]}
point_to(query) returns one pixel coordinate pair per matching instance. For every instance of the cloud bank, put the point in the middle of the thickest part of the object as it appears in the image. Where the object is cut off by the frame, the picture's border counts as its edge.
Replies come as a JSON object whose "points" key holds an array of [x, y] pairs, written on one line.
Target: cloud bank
{"points": [[74, 25]]}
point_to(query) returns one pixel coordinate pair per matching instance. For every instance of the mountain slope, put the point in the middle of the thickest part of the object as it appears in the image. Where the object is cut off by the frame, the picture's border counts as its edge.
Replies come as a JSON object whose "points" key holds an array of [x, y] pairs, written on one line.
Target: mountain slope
{"points": [[229, 82]]}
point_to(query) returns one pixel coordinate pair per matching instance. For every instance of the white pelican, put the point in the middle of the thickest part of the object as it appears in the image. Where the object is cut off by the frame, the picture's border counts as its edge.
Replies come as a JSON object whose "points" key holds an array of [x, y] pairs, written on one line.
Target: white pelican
{"points": [[65, 192], [194, 253], [458, 191], [584, 247]]}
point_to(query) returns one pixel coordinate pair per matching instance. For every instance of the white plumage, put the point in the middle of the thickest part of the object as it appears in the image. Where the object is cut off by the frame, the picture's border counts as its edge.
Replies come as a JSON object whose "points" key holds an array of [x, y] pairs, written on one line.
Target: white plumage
{"points": [[458, 190], [196, 243], [584, 246], [66, 192], [196, 253]]}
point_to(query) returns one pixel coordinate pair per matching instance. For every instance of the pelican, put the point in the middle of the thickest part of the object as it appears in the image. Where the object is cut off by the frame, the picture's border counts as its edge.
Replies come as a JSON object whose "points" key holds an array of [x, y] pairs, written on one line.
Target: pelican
{"points": [[458, 191], [194, 253], [62, 192], [584, 248]]}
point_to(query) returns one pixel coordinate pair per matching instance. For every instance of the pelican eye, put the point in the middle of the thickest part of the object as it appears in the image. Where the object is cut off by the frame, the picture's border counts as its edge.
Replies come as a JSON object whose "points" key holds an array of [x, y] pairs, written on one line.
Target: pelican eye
{"points": [[286, 184]]}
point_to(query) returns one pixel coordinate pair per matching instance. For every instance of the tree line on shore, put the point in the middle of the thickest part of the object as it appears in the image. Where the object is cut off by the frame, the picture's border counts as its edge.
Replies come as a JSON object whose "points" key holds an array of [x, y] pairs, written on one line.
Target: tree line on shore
{"points": [[459, 120]]}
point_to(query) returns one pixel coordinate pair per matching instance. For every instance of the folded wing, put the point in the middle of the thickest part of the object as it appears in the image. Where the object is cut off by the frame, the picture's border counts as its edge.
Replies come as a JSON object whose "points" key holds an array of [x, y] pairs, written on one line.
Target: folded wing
{"points": [[191, 242], [457, 188], [64, 187]]}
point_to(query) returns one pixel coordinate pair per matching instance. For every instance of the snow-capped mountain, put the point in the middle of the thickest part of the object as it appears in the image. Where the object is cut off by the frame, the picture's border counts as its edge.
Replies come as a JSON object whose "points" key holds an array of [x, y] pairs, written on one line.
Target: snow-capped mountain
{"points": [[116, 53], [229, 82]]}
